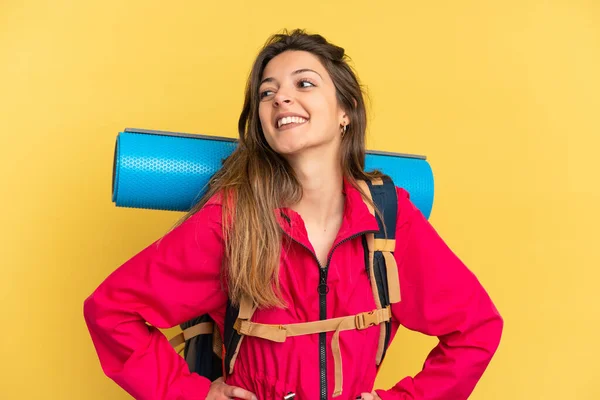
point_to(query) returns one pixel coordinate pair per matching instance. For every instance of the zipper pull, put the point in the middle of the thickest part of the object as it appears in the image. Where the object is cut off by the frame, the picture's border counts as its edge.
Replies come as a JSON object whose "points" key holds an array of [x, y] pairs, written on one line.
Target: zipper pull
{"points": [[323, 289]]}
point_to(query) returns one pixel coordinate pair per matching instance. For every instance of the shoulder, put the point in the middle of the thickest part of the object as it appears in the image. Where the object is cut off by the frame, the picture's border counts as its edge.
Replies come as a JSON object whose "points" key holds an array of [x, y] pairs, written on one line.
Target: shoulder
{"points": [[406, 208], [404, 202], [208, 215], [215, 200], [198, 228], [402, 193]]}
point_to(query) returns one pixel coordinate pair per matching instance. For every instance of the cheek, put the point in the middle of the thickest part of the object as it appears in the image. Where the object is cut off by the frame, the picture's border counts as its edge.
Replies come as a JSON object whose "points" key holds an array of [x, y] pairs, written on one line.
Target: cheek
{"points": [[265, 117], [324, 119], [324, 108]]}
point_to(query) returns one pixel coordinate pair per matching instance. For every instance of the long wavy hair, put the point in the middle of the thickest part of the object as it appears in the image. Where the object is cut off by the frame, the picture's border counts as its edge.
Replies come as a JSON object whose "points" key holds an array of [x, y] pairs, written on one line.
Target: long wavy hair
{"points": [[255, 180]]}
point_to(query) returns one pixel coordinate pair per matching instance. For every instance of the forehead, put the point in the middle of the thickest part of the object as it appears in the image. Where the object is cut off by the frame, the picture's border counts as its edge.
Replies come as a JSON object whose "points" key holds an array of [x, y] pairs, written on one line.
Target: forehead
{"points": [[286, 63]]}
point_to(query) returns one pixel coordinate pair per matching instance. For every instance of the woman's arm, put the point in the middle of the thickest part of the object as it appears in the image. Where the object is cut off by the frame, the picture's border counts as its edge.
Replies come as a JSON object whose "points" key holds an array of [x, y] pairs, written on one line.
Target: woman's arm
{"points": [[441, 297], [169, 282]]}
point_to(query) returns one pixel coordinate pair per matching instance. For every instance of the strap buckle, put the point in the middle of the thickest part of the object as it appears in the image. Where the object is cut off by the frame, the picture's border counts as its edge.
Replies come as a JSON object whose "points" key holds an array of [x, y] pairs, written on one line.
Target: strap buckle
{"points": [[366, 319]]}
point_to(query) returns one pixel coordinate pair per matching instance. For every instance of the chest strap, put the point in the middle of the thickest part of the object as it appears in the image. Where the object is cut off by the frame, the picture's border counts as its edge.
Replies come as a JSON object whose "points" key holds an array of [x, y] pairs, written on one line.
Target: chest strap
{"points": [[279, 333]]}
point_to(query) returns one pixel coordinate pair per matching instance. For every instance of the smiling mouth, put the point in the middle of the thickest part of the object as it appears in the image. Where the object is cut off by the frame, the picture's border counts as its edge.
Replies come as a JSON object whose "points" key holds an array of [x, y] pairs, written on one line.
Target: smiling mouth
{"points": [[290, 126], [290, 122]]}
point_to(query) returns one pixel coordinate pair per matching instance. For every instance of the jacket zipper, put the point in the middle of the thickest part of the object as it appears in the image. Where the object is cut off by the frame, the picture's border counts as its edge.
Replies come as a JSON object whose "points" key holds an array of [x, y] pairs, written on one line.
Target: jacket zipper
{"points": [[323, 289]]}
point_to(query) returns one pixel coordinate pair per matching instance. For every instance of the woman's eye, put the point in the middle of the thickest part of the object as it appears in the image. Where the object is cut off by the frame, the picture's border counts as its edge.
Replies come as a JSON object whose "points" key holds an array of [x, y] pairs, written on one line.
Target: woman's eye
{"points": [[305, 83], [265, 93]]}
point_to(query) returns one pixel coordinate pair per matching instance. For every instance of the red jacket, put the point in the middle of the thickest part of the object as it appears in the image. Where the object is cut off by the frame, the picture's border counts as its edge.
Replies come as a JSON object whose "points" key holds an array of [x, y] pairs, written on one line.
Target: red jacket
{"points": [[173, 281]]}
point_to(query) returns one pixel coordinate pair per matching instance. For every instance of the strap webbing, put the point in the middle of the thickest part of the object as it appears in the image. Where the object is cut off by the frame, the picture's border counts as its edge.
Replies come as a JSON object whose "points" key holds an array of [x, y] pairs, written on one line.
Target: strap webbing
{"points": [[393, 279], [194, 330], [279, 333], [247, 308]]}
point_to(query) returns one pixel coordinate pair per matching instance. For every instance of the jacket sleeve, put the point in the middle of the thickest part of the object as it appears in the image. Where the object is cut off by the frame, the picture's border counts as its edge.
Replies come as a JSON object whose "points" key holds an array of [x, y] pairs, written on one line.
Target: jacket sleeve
{"points": [[171, 281], [441, 297]]}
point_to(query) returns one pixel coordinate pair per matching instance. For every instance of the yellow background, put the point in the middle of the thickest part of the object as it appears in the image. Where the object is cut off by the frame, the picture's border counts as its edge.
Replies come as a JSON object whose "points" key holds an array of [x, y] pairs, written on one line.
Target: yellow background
{"points": [[502, 96]]}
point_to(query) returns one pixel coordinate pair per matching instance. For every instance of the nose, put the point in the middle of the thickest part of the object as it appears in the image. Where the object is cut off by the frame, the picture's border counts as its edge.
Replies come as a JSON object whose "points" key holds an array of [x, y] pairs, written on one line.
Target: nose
{"points": [[282, 97]]}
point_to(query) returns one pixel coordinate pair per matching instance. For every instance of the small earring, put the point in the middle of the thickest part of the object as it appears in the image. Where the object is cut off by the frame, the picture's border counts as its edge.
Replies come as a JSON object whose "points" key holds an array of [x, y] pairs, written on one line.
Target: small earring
{"points": [[343, 129]]}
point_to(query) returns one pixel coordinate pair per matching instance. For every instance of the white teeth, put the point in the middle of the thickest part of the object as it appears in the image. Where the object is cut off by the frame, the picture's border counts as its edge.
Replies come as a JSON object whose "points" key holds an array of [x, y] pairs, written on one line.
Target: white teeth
{"points": [[289, 120]]}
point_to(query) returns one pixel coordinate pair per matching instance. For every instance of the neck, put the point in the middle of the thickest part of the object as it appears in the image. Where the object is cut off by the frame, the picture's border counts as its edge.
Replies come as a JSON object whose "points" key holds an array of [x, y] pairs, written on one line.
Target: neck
{"points": [[322, 186]]}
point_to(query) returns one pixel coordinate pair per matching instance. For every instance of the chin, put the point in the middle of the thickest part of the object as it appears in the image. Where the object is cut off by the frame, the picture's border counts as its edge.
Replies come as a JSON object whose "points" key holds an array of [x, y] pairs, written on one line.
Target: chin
{"points": [[287, 145], [289, 149]]}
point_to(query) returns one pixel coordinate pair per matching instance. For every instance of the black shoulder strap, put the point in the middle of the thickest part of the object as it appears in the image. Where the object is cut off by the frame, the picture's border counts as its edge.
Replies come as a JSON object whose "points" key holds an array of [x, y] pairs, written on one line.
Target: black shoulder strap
{"points": [[199, 350], [386, 201], [232, 339]]}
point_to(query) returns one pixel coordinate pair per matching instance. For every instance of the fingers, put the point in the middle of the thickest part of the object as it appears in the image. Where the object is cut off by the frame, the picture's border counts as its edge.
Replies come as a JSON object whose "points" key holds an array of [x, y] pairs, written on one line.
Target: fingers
{"points": [[369, 396], [239, 393]]}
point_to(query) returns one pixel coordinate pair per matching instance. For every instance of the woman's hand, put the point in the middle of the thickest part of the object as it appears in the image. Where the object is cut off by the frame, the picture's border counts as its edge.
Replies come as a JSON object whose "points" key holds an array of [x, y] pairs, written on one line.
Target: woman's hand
{"points": [[219, 390], [369, 396]]}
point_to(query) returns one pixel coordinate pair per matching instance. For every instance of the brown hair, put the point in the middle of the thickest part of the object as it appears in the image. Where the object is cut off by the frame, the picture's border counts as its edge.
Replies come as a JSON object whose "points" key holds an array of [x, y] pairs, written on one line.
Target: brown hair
{"points": [[255, 180]]}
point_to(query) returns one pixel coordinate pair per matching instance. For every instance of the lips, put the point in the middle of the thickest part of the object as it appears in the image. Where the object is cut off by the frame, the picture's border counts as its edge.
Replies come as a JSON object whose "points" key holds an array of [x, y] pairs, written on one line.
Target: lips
{"points": [[286, 121], [289, 126]]}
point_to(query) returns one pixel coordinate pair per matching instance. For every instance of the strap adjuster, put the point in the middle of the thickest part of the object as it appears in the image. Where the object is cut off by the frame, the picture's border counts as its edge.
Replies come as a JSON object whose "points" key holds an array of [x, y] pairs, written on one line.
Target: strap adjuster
{"points": [[365, 320], [237, 324]]}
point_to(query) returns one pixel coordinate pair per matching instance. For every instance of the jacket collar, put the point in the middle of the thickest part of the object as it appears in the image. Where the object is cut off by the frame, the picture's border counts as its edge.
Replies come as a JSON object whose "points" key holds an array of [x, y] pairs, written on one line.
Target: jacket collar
{"points": [[356, 219]]}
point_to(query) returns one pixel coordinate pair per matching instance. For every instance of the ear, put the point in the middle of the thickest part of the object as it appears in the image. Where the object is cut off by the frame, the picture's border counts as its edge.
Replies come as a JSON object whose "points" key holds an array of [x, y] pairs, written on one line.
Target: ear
{"points": [[344, 118]]}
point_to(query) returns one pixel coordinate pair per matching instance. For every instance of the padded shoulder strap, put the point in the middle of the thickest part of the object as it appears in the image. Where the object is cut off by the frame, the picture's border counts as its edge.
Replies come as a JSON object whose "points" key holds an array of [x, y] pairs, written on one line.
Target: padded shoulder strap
{"points": [[383, 193], [379, 247]]}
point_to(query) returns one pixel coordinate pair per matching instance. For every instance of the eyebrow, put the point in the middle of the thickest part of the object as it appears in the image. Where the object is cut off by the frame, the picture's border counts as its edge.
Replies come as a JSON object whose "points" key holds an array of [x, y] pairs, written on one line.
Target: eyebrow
{"points": [[296, 72]]}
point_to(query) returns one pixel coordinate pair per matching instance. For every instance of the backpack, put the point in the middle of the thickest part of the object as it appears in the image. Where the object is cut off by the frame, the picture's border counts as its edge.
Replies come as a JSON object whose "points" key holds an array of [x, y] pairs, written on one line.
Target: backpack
{"points": [[211, 356]]}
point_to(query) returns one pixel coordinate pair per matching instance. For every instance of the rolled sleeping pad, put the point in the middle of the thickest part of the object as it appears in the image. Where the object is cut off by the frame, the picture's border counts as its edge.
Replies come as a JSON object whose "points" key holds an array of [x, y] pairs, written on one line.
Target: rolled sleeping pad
{"points": [[169, 171]]}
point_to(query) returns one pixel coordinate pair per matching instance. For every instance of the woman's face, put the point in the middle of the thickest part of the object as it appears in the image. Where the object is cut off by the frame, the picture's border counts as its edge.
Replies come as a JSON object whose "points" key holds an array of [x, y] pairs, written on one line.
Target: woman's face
{"points": [[298, 106]]}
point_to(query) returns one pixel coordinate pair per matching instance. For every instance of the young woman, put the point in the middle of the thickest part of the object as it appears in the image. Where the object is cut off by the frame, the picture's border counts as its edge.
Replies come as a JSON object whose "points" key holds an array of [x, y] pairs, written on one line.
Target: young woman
{"points": [[284, 218]]}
